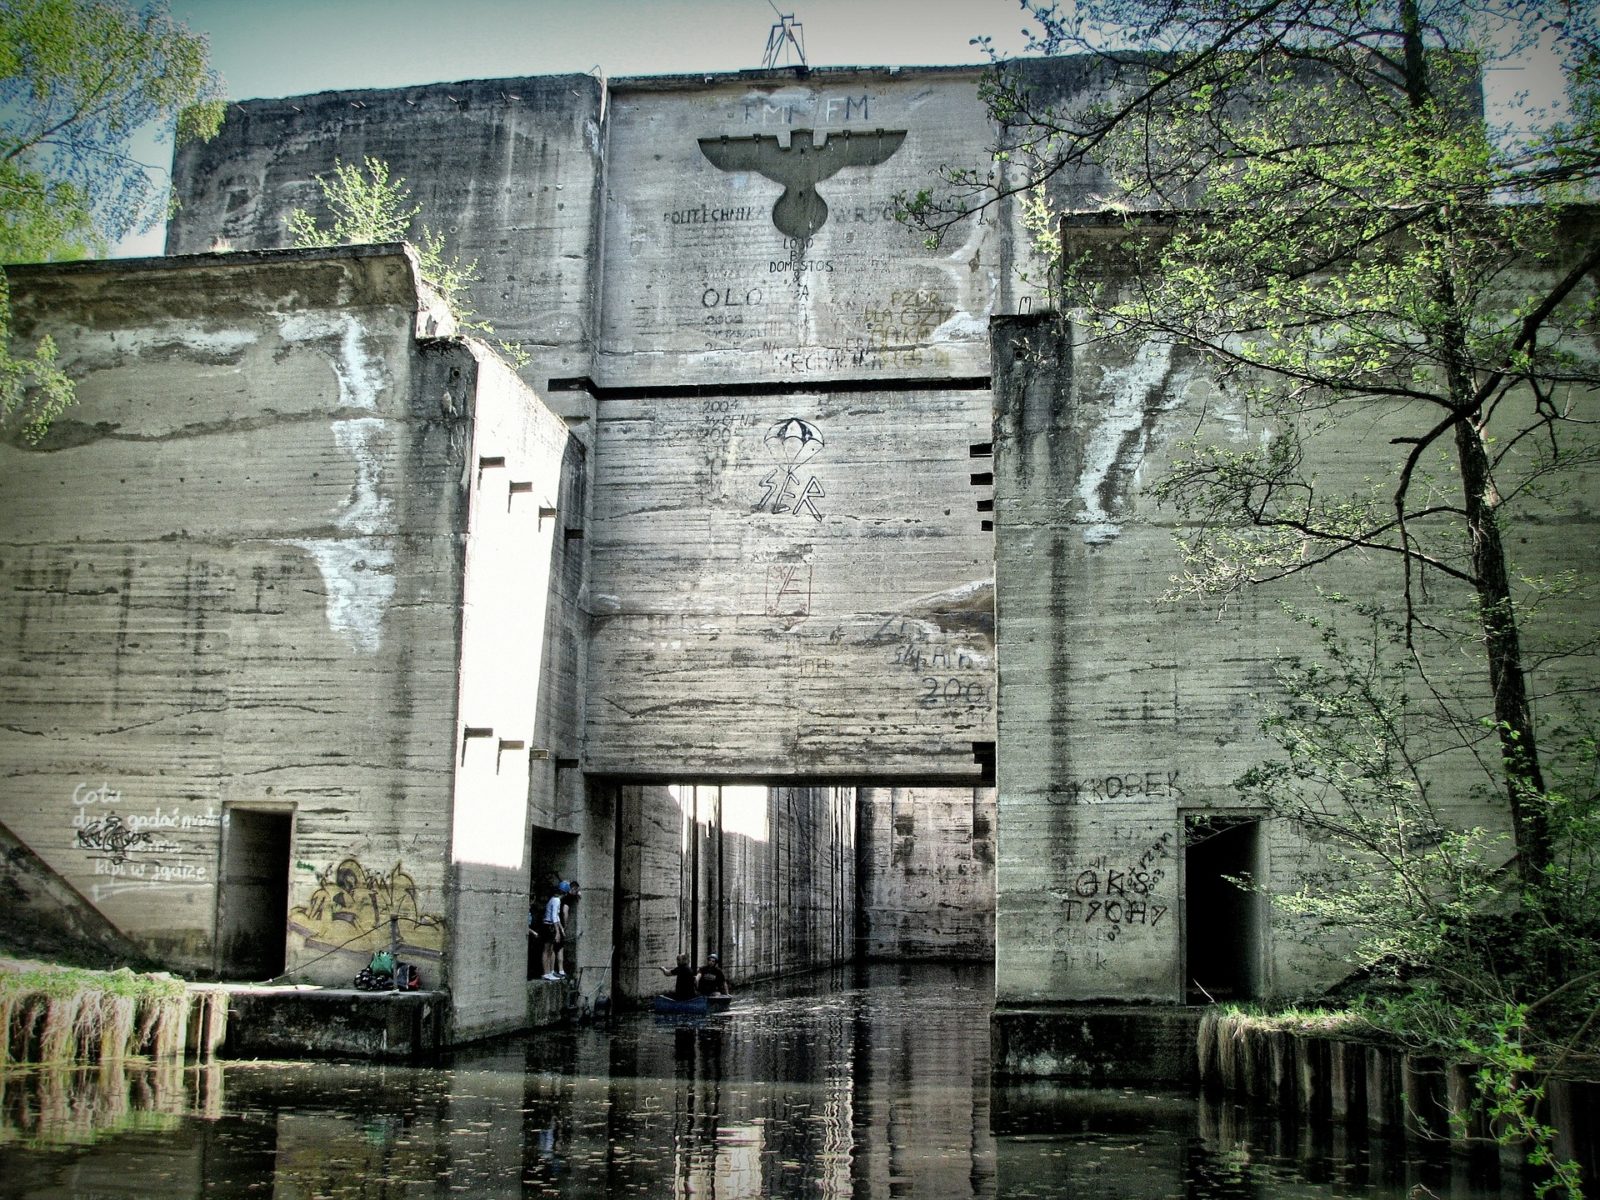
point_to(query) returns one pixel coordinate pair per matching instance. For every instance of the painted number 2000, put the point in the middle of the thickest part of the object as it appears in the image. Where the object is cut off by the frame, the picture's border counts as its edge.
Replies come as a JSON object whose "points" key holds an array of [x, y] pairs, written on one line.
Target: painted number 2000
{"points": [[951, 691]]}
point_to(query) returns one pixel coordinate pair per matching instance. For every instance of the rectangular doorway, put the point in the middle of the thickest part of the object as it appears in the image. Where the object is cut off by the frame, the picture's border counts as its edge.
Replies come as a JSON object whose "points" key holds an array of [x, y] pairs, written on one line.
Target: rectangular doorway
{"points": [[253, 892], [1222, 920], [554, 858]]}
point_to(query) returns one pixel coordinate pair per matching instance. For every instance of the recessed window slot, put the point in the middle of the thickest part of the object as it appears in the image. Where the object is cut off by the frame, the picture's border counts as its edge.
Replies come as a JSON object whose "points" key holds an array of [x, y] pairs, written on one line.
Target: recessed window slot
{"points": [[986, 526], [983, 754], [981, 450], [574, 533], [487, 462], [546, 514], [517, 488], [986, 505], [983, 479]]}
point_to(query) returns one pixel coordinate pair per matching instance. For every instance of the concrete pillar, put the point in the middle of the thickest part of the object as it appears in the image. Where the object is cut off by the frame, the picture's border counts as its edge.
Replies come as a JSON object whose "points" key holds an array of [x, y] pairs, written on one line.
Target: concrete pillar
{"points": [[1347, 1076], [1206, 1050], [1279, 1073], [1573, 1104], [1427, 1101], [1385, 1105], [1311, 1082]]}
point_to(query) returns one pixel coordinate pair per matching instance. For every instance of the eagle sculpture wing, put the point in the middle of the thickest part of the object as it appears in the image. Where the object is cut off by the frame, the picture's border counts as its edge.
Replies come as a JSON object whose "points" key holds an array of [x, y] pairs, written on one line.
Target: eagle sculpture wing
{"points": [[800, 166]]}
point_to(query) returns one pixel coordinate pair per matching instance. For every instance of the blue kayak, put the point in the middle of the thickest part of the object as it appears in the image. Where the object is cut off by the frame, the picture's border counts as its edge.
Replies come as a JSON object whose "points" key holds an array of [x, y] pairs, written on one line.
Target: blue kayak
{"points": [[700, 1004]]}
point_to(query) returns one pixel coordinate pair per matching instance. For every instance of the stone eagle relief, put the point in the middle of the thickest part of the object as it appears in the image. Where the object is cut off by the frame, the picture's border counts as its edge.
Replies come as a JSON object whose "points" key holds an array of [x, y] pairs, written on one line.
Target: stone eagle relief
{"points": [[800, 166]]}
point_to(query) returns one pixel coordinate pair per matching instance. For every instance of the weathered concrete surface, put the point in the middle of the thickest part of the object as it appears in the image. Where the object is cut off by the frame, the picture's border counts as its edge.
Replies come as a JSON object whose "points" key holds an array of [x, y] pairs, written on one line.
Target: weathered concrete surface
{"points": [[47, 918], [384, 1026], [925, 871], [1122, 716], [814, 565], [724, 564], [712, 272], [252, 663], [508, 170]]}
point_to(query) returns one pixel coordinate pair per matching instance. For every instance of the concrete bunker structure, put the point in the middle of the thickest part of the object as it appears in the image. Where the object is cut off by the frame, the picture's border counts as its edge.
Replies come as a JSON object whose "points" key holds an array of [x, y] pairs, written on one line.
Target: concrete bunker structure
{"points": [[795, 594]]}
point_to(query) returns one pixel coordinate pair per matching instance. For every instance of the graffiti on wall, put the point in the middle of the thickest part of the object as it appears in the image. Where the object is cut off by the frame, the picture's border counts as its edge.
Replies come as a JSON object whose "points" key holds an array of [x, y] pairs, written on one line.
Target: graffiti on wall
{"points": [[146, 848], [1131, 784], [351, 909], [1106, 898], [792, 442]]}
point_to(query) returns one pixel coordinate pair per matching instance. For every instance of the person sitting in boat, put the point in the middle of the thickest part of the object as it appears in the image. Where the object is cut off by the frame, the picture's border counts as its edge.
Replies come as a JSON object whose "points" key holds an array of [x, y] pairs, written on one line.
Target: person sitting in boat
{"points": [[683, 979], [711, 981]]}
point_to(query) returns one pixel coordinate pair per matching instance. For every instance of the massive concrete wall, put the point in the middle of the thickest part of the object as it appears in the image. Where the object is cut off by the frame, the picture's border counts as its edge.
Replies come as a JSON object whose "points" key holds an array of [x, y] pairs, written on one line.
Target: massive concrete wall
{"points": [[507, 170], [235, 599], [517, 716], [258, 674], [1123, 718], [812, 557], [814, 565], [750, 231]]}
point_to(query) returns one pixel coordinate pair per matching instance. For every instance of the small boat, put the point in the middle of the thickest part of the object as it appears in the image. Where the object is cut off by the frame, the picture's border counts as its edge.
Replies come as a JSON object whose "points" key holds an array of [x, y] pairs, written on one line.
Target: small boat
{"points": [[700, 1005]]}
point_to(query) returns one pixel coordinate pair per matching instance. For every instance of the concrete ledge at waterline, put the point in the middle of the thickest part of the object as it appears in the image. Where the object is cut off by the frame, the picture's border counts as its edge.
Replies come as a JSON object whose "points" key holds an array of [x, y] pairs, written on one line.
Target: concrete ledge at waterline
{"points": [[272, 1022], [550, 1002], [1097, 1045]]}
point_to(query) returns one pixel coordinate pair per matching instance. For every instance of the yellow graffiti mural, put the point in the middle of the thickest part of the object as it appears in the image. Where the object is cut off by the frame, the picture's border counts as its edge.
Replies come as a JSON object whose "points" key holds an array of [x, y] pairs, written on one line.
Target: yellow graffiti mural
{"points": [[352, 908]]}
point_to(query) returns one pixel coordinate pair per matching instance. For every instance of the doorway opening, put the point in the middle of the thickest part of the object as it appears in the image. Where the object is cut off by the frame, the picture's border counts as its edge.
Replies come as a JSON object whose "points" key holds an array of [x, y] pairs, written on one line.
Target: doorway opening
{"points": [[253, 892], [1222, 920], [554, 857]]}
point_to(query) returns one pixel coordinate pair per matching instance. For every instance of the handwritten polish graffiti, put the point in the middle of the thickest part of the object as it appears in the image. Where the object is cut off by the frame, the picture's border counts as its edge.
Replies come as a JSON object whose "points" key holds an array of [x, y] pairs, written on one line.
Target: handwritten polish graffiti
{"points": [[1115, 899], [792, 442], [351, 908], [938, 663], [1122, 785], [124, 845]]}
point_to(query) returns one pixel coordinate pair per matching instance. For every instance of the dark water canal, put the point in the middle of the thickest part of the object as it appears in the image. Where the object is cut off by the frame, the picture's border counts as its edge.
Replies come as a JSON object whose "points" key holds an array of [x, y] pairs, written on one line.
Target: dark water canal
{"points": [[869, 1084]]}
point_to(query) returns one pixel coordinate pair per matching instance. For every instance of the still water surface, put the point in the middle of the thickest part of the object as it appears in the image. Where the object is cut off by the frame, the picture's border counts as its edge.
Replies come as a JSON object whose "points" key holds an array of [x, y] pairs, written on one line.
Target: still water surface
{"points": [[871, 1083]]}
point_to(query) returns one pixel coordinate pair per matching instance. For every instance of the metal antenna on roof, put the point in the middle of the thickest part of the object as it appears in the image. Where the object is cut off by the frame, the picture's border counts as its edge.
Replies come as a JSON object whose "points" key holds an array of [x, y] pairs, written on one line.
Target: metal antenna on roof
{"points": [[787, 38]]}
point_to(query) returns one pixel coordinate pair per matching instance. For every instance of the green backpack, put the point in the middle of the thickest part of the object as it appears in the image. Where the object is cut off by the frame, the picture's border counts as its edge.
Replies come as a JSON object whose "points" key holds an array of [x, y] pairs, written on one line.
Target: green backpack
{"points": [[382, 963]]}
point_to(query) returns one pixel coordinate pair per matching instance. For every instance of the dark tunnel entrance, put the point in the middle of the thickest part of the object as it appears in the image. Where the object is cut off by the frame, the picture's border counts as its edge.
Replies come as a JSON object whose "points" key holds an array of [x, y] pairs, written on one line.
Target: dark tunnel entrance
{"points": [[1222, 921]]}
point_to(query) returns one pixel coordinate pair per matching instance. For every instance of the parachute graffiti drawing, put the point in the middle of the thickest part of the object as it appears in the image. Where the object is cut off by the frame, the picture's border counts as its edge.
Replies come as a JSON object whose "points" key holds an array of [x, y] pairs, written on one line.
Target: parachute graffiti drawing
{"points": [[792, 442]]}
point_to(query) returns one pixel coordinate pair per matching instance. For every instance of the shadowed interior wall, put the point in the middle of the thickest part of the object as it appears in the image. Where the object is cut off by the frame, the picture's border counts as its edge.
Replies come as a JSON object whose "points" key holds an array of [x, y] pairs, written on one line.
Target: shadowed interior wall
{"points": [[765, 878], [925, 867]]}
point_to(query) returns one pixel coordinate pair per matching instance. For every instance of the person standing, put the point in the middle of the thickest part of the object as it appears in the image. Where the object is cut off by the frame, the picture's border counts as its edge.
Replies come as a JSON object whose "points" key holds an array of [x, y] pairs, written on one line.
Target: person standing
{"points": [[570, 895], [550, 933]]}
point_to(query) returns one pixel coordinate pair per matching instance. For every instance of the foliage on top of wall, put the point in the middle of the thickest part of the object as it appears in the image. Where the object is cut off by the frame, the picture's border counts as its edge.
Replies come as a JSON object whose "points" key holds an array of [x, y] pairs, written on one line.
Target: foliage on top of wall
{"points": [[367, 205]]}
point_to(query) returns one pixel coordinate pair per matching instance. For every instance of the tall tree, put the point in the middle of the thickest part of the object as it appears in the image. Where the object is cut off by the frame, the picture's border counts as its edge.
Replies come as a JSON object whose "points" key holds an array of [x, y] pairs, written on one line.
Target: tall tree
{"points": [[78, 80], [1342, 235]]}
